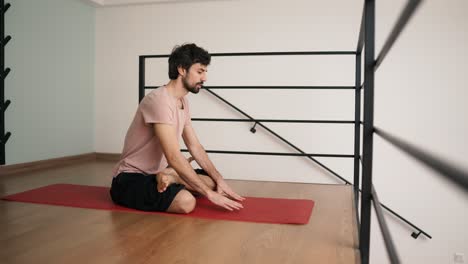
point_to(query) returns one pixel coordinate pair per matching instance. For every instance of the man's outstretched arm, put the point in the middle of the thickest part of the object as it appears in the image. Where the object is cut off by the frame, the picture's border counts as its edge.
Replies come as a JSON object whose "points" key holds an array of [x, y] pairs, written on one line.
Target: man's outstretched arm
{"points": [[199, 154], [170, 145]]}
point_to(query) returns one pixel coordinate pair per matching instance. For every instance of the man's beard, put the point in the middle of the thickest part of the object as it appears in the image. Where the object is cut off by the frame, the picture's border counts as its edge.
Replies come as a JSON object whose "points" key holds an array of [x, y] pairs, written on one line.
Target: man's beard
{"points": [[193, 89]]}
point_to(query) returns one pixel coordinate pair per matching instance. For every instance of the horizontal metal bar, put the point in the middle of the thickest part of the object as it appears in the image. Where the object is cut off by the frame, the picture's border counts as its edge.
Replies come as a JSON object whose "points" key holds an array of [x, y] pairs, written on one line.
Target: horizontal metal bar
{"points": [[387, 237], [276, 154], [283, 53], [274, 87], [155, 56], [450, 172], [287, 53], [272, 120], [285, 87], [405, 16]]}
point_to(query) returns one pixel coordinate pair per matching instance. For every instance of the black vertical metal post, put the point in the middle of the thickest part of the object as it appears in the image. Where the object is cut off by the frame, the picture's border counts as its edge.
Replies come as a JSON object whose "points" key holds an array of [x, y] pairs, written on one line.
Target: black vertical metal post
{"points": [[3, 105], [369, 42], [141, 78], [357, 131]]}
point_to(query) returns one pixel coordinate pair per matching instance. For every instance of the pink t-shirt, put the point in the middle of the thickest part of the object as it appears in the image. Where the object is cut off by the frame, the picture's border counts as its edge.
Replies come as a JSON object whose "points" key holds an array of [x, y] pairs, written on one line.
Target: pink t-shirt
{"points": [[142, 151]]}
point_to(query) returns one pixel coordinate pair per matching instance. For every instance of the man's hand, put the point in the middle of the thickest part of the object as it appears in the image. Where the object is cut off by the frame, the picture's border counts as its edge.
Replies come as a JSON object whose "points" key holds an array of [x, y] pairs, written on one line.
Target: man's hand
{"points": [[223, 201], [223, 189]]}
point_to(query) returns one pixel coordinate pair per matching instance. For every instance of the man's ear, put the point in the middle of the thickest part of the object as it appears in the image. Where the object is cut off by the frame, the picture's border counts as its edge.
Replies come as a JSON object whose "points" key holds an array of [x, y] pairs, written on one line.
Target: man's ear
{"points": [[181, 71]]}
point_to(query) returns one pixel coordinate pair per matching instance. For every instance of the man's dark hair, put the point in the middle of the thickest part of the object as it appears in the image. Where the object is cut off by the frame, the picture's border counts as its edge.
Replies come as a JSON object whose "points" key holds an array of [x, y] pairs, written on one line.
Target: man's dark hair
{"points": [[185, 56]]}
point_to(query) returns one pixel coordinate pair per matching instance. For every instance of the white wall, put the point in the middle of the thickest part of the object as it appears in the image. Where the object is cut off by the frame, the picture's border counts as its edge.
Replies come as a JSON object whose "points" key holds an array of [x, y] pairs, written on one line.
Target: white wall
{"points": [[419, 96], [51, 83]]}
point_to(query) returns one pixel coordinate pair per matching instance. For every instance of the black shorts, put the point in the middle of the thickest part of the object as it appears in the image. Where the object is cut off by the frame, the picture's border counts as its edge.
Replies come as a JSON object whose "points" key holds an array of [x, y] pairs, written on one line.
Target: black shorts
{"points": [[139, 191]]}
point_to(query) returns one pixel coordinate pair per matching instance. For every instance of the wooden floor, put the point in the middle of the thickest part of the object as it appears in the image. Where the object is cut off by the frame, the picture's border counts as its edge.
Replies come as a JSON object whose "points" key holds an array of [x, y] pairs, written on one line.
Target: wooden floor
{"points": [[31, 233]]}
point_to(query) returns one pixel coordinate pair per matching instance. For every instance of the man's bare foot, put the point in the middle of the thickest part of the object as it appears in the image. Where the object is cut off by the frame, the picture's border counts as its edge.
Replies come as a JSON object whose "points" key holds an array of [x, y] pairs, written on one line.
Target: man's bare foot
{"points": [[170, 170], [164, 180]]}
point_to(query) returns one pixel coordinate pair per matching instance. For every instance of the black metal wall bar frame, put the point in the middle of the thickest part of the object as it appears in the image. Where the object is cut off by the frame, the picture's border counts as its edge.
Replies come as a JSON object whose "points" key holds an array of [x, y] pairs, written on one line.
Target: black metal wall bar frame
{"points": [[369, 196], [259, 122], [4, 72], [142, 87]]}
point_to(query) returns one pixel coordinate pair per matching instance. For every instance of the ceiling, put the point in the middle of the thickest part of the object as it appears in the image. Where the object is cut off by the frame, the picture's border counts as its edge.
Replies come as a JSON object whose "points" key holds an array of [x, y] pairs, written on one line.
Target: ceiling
{"points": [[104, 3]]}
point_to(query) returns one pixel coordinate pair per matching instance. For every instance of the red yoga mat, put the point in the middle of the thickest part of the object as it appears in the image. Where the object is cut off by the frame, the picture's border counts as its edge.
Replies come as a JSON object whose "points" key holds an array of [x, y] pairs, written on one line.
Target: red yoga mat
{"points": [[261, 210]]}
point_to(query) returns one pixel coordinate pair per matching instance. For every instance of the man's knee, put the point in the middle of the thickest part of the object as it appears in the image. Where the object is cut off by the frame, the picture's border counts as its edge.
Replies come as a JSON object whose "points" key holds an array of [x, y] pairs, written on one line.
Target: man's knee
{"points": [[183, 203]]}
